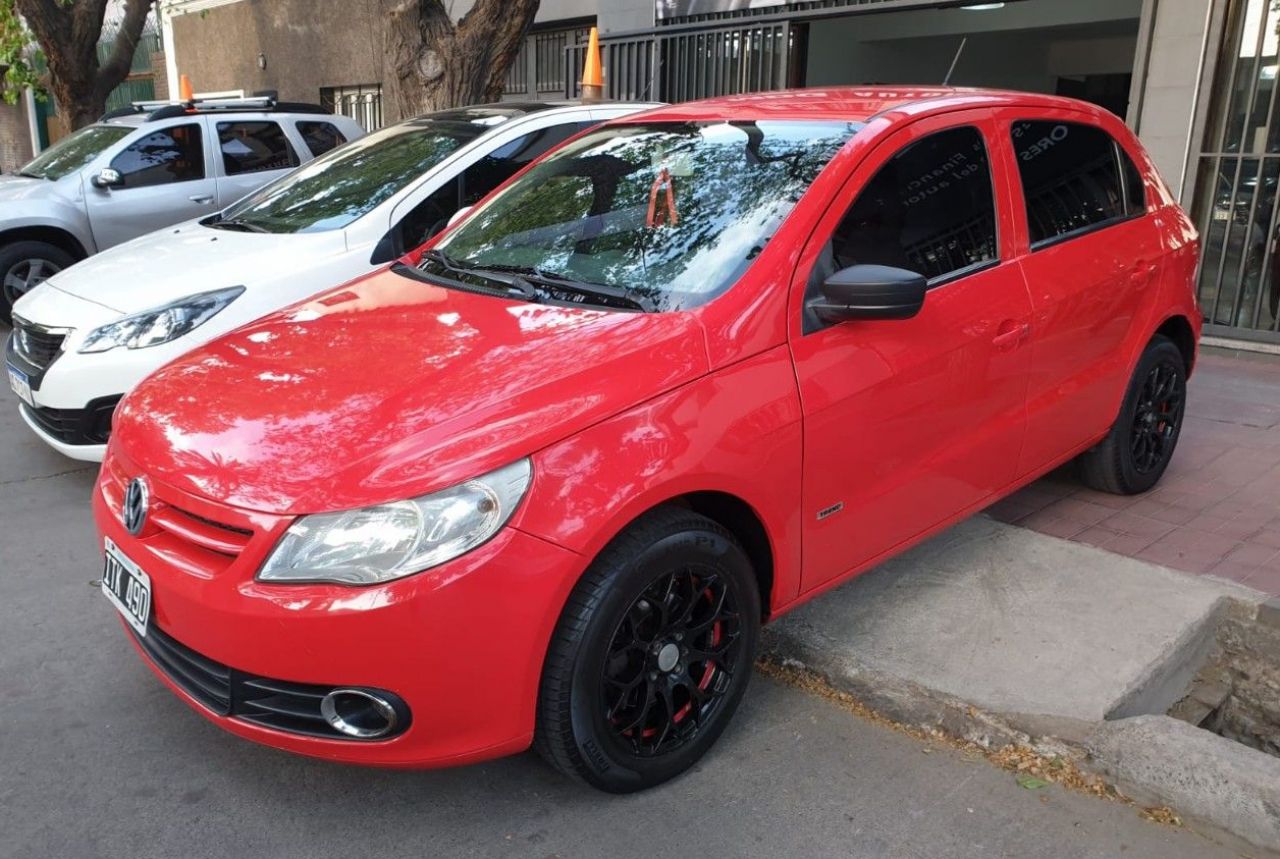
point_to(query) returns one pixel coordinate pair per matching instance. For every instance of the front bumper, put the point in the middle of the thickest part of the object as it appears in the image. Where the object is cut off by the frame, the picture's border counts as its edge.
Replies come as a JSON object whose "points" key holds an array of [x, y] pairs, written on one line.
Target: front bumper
{"points": [[461, 644], [74, 393]]}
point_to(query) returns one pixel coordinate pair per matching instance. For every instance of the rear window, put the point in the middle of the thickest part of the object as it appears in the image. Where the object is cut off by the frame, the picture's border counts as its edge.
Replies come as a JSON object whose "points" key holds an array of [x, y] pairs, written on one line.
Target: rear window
{"points": [[253, 147], [1075, 177], [320, 137]]}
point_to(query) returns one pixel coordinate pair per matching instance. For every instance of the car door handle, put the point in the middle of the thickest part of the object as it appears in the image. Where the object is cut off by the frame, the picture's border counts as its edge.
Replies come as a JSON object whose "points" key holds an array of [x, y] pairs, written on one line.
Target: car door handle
{"points": [[1011, 334], [201, 198], [1142, 273]]}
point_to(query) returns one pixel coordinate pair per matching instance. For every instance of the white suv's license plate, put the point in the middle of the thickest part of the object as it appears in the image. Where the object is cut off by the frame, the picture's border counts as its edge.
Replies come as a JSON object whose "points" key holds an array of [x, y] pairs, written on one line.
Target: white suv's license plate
{"points": [[21, 384], [127, 586]]}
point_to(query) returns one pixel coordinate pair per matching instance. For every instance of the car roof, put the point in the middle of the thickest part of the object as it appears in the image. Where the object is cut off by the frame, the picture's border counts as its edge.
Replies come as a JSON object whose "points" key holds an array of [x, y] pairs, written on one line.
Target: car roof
{"points": [[858, 104], [138, 120], [517, 109]]}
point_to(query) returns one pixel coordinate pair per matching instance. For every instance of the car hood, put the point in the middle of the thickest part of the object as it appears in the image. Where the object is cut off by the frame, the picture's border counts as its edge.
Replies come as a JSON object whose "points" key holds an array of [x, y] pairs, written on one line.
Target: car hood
{"points": [[23, 189], [173, 262], [390, 388]]}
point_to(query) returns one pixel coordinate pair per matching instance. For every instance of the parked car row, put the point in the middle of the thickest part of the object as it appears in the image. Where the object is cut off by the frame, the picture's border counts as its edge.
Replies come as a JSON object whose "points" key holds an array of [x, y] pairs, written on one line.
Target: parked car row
{"points": [[99, 329], [143, 168], [406, 492]]}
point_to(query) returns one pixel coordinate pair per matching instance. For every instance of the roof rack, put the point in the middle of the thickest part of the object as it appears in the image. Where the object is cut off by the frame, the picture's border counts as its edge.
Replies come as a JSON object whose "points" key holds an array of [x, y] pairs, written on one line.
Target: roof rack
{"points": [[155, 110]]}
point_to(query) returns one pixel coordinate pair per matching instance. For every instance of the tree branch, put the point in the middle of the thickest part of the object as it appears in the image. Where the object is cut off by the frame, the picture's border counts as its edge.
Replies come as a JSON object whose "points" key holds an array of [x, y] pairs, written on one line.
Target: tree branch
{"points": [[117, 66]]}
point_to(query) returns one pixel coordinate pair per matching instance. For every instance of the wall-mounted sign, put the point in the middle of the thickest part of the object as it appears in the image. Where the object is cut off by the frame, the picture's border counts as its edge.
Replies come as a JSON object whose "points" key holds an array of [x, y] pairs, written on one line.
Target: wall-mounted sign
{"points": [[680, 8]]}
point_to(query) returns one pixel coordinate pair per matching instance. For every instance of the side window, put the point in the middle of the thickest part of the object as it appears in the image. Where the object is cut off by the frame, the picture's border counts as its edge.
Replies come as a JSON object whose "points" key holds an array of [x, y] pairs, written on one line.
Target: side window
{"points": [[320, 137], [432, 215], [170, 155], [930, 209], [503, 163], [1074, 177], [250, 147], [428, 217], [1135, 189]]}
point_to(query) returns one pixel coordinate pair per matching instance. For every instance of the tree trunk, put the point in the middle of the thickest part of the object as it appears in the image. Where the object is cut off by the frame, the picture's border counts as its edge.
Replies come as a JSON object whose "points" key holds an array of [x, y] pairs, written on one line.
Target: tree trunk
{"points": [[68, 34], [436, 64]]}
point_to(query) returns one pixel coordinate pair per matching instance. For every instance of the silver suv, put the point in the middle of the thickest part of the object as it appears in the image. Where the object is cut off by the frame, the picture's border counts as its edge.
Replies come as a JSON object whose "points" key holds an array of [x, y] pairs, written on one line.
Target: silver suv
{"points": [[146, 167]]}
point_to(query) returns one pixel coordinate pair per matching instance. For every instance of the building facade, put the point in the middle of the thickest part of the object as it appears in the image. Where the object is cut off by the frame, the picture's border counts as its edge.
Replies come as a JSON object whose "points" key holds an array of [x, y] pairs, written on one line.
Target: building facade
{"points": [[1195, 78]]}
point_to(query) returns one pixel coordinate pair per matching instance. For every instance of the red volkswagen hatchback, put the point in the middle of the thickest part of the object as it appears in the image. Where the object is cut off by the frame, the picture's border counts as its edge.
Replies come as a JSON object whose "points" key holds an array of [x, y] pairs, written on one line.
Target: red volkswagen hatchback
{"points": [[542, 483]]}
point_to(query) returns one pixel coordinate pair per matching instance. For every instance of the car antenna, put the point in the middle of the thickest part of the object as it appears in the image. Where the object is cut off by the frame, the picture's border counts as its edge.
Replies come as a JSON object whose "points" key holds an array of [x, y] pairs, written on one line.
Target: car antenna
{"points": [[951, 71]]}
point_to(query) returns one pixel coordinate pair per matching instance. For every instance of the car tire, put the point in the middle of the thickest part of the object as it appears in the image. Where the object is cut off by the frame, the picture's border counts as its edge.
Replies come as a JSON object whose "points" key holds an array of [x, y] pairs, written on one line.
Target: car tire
{"points": [[651, 655], [23, 265], [1134, 455]]}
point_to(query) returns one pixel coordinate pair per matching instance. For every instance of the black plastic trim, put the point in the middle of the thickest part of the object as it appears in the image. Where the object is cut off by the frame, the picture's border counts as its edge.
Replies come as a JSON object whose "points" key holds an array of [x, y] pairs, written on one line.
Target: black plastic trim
{"points": [[76, 426], [279, 705]]}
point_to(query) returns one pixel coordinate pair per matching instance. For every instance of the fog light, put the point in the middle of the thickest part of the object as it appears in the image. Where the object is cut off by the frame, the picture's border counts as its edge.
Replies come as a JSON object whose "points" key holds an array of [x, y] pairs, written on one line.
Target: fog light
{"points": [[359, 713]]}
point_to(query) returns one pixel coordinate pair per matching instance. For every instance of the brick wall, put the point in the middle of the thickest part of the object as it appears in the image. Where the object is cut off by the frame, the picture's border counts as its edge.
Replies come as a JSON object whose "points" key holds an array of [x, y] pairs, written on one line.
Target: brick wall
{"points": [[161, 76], [15, 136]]}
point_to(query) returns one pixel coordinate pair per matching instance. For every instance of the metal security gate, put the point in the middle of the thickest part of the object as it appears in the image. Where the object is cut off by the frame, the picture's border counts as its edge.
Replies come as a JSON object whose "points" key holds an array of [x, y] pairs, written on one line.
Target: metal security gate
{"points": [[540, 69], [630, 69], [691, 64], [1239, 173], [707, 63]]}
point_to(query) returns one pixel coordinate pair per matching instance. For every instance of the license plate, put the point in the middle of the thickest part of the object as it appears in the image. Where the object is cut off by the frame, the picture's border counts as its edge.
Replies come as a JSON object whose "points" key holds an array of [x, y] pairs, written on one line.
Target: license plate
{"points": [[21, 384], [127, 586], [1221, 215]]}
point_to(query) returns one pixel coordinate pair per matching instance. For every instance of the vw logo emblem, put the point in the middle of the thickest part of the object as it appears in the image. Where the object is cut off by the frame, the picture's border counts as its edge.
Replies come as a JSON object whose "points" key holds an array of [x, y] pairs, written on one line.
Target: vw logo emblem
{"points": [[135, 506]]}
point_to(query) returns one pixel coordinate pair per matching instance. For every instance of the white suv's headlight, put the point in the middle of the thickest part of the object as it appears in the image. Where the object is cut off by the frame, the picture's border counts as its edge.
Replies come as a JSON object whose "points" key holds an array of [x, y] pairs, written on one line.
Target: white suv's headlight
{"points": [[160, 324], [378, 544]]}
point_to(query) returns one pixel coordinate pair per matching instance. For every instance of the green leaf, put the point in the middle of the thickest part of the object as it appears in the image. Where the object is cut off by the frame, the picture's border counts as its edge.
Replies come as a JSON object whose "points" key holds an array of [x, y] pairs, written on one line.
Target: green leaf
{"points": [[1030, 782]]}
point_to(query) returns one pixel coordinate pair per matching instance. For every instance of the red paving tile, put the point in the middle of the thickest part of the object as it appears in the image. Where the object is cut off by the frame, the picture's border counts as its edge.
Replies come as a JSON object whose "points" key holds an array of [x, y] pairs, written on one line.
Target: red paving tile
{"points": [[1217, 510]]}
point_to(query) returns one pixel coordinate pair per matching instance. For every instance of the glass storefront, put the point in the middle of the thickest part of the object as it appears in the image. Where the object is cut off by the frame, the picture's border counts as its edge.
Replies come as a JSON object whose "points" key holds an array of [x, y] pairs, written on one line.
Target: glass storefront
{"points": [[1239, 172]]}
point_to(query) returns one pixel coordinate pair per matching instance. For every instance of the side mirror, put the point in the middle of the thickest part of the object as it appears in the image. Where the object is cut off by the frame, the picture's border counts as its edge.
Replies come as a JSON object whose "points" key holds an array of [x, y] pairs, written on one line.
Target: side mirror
{"points": [[459, 215], [870, 292], [108, 177]]}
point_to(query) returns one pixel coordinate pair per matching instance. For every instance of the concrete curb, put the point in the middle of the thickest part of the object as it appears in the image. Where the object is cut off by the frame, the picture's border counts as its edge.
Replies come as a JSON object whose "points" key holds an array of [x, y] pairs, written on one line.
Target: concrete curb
{"points": [[1204, 776], [892, 697], [1156, 760]]}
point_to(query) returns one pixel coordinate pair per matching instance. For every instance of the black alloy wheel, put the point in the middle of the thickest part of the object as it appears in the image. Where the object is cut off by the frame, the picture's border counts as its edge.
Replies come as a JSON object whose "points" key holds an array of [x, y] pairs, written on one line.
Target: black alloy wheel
{"points": [[671, 661], [1157, 419], [652, 653], [1134, 455]]}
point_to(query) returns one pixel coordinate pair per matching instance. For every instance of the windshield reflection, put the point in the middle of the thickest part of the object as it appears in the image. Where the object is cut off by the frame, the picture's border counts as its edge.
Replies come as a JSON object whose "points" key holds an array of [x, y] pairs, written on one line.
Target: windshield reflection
{"points": [[73, 152], [673, 213], [349, 182]]}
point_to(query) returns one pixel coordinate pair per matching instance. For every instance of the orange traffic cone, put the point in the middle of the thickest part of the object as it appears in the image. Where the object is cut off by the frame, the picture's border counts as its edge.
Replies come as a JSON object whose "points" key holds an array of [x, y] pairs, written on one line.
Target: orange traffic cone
{"points": [[592, 73], [185, 92]]}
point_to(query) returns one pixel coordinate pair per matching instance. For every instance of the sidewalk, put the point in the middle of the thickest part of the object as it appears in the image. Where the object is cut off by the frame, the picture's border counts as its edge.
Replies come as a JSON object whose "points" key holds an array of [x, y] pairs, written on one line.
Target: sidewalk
{"points": [[1217, 510], [1003, 636]]}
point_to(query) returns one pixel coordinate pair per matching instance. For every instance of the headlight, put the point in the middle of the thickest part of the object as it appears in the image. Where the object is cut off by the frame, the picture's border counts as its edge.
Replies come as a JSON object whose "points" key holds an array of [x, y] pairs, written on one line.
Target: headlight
{"points": [[160, 324], [378, 544]]}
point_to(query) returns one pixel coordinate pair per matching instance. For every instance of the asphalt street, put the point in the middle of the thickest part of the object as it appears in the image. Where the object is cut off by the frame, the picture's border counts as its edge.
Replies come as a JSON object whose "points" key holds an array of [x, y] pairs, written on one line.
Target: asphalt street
{"points": [[98, 759]]}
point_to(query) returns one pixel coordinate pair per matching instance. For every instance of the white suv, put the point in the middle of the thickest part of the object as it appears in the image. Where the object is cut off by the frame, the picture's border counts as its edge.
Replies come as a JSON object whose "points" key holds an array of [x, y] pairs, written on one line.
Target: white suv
{"points": [[145, 167], [86, 336]]}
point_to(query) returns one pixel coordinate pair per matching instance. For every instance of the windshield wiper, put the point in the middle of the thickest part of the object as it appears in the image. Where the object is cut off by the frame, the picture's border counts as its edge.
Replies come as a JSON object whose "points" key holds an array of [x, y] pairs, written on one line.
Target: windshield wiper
{"points": [[442, 258], [519, 285], [237, 224], [612, 294]]}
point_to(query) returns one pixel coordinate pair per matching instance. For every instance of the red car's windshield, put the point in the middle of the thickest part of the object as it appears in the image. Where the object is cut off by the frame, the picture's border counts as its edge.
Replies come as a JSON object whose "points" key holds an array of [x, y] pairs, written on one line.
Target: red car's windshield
{"points": [[670, 213]]}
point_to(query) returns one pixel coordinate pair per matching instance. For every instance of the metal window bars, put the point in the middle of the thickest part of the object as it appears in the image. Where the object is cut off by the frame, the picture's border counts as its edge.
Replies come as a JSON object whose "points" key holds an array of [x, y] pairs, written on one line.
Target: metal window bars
{"points": [[362, 102], [1236, 203]]}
